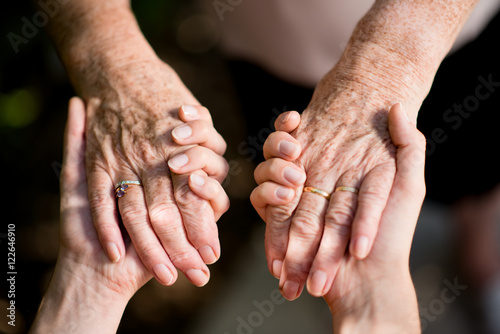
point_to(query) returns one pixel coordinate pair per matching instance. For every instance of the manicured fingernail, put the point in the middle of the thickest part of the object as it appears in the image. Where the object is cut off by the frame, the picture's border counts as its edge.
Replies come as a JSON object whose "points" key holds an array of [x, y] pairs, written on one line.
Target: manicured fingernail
{"points": [[288, 148], [178, 161], [113, 252], [197, 276], [207, 254], [162, 274], [294, 176], [190, 111], [361, 247], [290, 290], [197, 179], [182, 132], [283, 193], [317, 283], [277, 265]]}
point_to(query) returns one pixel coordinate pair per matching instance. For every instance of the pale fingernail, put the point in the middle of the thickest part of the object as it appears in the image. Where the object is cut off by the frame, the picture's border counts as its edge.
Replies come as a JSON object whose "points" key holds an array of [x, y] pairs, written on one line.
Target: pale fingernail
{"points": [[361, 247], [178, 161], [182, 132], [277, 265], [197, 276], [294, 176], [290, 290], [288, 148], [207, 254], [317, 283], [113, 252], [190, 111], [287, 117], [283, 193], [197, 179], [162, 274]]}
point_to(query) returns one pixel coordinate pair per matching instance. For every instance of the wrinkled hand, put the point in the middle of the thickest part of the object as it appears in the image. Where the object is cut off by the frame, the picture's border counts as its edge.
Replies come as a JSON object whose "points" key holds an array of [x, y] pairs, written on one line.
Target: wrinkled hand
{"points": [[80, 246], [375, 294], [130, 117], [345, 142]]}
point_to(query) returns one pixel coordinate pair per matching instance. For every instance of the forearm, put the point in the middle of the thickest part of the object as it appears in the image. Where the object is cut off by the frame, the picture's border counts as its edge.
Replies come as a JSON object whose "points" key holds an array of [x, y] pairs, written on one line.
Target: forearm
{"points": [[76, 303], [387, 307], [398, 46], [95, 37]]}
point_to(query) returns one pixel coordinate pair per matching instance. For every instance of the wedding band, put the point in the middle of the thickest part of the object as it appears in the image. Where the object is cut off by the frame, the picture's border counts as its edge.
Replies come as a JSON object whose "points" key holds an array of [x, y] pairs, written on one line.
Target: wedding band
{"points": [[350, 189], [121, 187], [317, 191]]}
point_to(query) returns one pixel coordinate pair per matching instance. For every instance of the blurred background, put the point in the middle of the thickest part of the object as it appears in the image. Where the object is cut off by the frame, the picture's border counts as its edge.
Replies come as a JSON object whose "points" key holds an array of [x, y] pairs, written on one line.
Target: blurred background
{"points": [[452, 247]]}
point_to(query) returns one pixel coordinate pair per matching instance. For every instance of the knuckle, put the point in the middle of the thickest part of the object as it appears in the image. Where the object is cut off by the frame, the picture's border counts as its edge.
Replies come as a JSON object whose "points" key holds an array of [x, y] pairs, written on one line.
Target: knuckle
{"points": [[185, 197], [181, 256], [99, 202], [278, 214], [306, 223], [340, 217], [160, 213]]}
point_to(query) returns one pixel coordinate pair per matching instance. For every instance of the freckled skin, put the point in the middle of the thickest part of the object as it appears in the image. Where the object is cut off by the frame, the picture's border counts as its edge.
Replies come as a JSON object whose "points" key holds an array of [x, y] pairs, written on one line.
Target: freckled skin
{"points": [[392, 57]]}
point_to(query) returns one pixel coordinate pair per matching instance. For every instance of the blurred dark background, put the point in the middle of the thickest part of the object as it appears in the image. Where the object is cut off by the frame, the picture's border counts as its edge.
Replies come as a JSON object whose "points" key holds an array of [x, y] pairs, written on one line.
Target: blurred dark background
{"points": [[34, 91]]}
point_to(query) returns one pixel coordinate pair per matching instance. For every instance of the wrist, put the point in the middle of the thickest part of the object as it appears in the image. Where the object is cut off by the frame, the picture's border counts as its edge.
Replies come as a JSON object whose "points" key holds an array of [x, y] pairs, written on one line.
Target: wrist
{"points": [[95, 39], [77, 301], [382, 305]]}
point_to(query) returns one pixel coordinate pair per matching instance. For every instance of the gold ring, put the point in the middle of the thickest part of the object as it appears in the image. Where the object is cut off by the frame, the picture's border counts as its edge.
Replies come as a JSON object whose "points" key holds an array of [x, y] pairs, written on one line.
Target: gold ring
{"points": [[345, 188], [317, 191], [121, 187]]}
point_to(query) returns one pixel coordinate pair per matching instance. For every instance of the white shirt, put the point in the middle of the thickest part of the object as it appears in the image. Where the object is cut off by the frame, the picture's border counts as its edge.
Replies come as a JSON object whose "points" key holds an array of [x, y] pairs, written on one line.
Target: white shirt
{"points": [[301, 40]]}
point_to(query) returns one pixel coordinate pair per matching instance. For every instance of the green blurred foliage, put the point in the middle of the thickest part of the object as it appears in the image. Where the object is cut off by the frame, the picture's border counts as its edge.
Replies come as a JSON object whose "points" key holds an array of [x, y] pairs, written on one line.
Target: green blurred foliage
{"points": [[19, 108]]}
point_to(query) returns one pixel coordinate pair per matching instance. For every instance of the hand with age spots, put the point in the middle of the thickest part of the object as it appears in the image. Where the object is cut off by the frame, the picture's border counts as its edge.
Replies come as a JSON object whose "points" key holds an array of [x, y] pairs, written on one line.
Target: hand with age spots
{"points": [[375, 294]]}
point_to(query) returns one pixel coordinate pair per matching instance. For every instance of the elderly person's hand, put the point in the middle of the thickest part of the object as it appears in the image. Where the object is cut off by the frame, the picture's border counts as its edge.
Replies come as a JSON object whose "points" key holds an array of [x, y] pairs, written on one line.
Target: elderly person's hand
{"points": [[347, 154], [376, 294], [88, 292], [132, 98]]}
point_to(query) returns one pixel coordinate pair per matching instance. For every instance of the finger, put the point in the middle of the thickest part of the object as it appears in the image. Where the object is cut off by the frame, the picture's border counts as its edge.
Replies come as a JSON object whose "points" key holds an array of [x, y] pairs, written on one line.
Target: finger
{"points": [[287, 121], [336, 233], [278, 218], [210, 190], [104, 212], [135, 217], [270, 193], [372, 200], [202, 158], [304, 237], [281, 145], [198, 218], [410, 145], [189, 113], [169, 227], [280, 171], [199, 132]]}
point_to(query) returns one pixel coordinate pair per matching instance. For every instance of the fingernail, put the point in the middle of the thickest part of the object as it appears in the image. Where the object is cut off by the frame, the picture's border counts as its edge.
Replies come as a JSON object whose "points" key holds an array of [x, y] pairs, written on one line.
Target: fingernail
{"points": [[113, 252], [290, 290], [287, 117], [277, 265], [162, 274], [288, 148], [178, 161], [182, 132], [197, 276], [197, 179], [361, 247], [207, 254], [283, 193], [293, 175], [190, 111], [317, 283]]}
